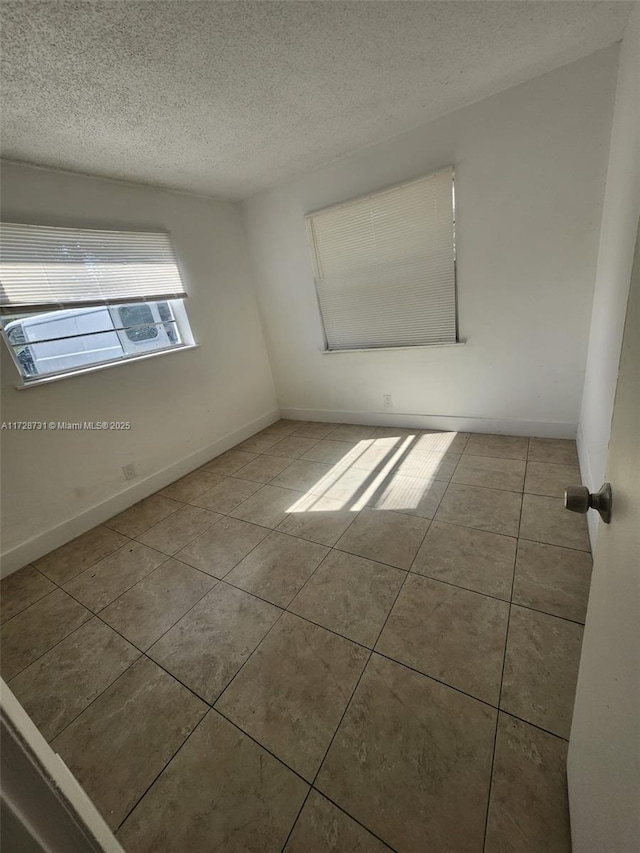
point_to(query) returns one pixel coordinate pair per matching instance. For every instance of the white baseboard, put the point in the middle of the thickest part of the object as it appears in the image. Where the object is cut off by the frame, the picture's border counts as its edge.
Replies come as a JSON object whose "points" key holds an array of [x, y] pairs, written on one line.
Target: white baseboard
{"points": [[38, 546], [593, 519], [45, 542], [503, 426]]}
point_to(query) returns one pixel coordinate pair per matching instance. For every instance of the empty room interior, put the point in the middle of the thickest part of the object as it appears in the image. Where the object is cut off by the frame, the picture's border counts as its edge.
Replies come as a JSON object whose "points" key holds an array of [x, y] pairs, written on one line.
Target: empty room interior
{"points": [[320, 426]]}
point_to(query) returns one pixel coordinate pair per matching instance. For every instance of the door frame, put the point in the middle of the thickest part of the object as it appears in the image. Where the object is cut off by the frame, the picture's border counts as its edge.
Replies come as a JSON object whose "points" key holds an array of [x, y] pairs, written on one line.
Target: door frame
{"points": [[43, 804]]}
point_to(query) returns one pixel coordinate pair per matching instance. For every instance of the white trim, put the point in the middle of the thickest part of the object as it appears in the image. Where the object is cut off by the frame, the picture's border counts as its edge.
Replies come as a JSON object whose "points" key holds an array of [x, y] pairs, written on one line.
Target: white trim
{"points": [[69, 374], [388, 349], [59, 776], [501, 426], [40, 545], [584, 461]]}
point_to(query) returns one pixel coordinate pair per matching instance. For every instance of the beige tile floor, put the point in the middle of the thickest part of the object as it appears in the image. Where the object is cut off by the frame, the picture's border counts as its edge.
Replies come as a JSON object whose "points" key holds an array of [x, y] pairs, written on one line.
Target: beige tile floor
{"points": [[330, 638]]}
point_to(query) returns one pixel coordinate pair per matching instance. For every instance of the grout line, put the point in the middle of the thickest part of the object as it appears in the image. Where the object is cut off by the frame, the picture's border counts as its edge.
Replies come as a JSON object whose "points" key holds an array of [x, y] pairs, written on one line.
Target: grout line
{"points": [[342, 716], [261, 487], [392, 472], [244, 663], [373, 559], [92, 614], [273, 455], [370, 649], [293, 825], [477, 529], [97, 614], [153, 524], [404, 580], [95, 698], [354, 819], [533, 725], [518, 492], [5, 621], [266, 453], [483, 486], [364, 669], [57, 643], [413, 476], [347, 705], [331, 630], [176, 557], [142, 652], [438, 680], [469, 454], [324, 627], [465, 588], [236, 474], [315, 541], [216, 580], [554, 545], [139, 580], [504, 661], [117, 828], [261, 745], [177, 678], [546, 613], [452, 486], [265, 600], [91, 565], [494, 597], [173, 624], [210, 706]]}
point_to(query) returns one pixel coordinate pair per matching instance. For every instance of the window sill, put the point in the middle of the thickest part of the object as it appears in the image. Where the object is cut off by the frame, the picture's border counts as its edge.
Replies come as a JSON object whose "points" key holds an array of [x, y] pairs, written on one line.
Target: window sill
{"points": [[94, 368], [390, 349]]}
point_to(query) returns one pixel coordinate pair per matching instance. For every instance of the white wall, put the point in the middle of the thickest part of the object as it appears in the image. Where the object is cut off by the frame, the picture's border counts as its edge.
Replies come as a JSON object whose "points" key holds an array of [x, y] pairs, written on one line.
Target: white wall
{"points": [[184, 407], [530, 169], [617, 239]]}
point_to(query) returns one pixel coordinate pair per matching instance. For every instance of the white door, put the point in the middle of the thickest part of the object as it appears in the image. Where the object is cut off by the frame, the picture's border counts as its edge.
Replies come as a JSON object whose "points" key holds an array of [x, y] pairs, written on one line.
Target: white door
{"points": [[604, 748]]}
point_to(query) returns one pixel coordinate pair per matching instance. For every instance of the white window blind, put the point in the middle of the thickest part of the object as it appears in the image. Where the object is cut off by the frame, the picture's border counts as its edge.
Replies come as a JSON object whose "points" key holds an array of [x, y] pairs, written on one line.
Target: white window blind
{"points": [[46, 267], [384, 266]]}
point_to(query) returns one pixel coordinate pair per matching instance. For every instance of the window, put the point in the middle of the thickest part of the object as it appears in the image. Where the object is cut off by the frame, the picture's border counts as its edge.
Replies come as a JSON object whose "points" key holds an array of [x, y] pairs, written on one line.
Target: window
{"points": [[75, 299], [138, 322], [385, 266]]}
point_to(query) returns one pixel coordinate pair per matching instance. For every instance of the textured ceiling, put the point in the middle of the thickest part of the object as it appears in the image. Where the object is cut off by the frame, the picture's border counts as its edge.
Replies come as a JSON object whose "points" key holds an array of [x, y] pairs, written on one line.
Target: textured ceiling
{"points": [[227, 98]]}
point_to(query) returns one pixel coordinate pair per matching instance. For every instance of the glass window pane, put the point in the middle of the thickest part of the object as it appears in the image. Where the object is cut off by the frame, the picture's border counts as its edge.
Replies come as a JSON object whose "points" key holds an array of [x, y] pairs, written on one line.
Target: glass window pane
{"points": [[57, 341], [133, 317], [48, 357]]}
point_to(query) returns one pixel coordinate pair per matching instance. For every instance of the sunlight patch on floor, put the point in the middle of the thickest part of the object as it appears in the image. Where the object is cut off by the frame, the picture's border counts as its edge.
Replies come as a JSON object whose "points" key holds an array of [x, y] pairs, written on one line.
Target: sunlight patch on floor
{"points": [[435, 441], [389, 472], [400, 493]]}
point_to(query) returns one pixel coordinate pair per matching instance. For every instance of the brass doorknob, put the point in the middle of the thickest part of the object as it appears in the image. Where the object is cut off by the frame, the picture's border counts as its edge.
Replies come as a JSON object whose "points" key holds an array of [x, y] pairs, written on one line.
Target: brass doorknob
{"points": [[579, 499]]}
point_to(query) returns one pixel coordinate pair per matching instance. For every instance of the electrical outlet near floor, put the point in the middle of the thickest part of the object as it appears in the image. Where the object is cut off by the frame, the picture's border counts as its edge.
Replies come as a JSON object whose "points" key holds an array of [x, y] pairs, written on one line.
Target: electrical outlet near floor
{"points": [[129, 472], [387, 402]]}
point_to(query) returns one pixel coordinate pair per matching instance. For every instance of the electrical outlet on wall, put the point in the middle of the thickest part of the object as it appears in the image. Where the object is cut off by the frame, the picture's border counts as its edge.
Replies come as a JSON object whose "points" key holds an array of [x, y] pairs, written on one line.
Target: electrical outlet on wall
{"points": [[387, 402], [129, 472]]}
